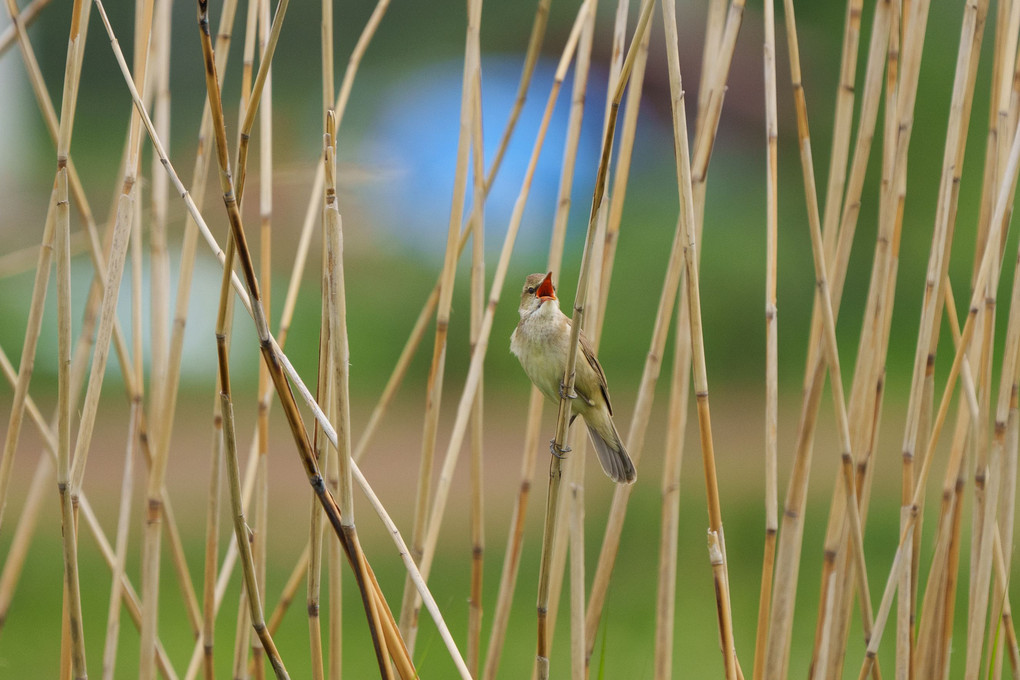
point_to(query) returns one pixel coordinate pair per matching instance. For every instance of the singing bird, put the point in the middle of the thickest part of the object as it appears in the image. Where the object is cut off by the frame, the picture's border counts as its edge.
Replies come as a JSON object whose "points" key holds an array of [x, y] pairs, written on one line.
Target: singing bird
{"points": [[541, 341]]}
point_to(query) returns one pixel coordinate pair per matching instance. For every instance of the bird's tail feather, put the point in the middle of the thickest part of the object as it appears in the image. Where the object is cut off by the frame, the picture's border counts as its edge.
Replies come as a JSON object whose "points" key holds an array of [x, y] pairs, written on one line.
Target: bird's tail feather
{"points": [[612, 455]]}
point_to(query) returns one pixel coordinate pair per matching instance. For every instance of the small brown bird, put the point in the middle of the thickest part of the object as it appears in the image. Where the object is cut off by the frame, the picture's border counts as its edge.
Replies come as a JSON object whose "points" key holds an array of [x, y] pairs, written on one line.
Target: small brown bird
{"points": [[541, 341]]}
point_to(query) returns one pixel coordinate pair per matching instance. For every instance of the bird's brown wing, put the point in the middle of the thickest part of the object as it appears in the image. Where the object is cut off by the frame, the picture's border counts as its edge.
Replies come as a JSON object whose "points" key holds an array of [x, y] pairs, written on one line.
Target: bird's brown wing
{"points": [[589, 354]]}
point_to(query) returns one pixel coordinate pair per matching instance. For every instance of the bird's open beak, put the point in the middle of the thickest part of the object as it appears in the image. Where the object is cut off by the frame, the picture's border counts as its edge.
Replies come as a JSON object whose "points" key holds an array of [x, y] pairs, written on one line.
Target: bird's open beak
{"points": [[545, 289]]}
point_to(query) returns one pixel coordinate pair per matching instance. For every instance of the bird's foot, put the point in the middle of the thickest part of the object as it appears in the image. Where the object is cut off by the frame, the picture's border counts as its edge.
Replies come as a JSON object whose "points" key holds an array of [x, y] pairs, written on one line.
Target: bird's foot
{"points": [[557, 450], [567, 395]]}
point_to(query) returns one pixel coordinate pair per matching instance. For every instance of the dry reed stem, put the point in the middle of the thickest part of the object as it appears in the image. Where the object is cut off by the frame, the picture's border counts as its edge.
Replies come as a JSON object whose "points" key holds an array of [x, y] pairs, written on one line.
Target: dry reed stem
{"points": [[12, 564], [72, 635], [790, 539], [212, 541], [481, 345], [123, 524], [313, 210], [676, 428], [621, 177], [515, 536], [325, 394], [283, 368], [942, 238], [273, 356], [990, 470], [720, 43], [688, 224], [27, 362], [42, 271], [265, 281], [580, 300], [434, 388], [22, 20], [293, 417], [828, 323], [339, 353], [266, 60], [535, 39], [997, 228], [22, 538], [28, 520], [868, 379], [554, 264], [115, 268], [771, 328], [867, 387], [474, 636], [24, 259], [564, 511]]}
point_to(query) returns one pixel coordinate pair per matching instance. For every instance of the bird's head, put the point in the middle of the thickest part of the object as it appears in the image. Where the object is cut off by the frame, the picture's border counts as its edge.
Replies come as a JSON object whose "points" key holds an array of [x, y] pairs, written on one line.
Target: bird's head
{"points": [[538, 289]]}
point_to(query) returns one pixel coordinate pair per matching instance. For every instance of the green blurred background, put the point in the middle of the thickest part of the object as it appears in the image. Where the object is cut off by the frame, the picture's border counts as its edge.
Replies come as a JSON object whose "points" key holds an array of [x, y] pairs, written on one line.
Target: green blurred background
{"points": [[397, 150]]}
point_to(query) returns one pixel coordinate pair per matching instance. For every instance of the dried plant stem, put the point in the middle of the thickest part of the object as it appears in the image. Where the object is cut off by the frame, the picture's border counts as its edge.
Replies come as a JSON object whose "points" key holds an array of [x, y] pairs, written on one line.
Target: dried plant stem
{"points": [[772, 333], [434, 389], [314, 202], [268, 49], [212, 539], [282, 368], [340, 360], [577, 319], [473, 379], [241, 531], [75, 635], [475, 609], [621, 177], [21, 20], [719, 46], [29, 345], [970, 42], [676, 429], [997, 229], [123, 524], [688, 223], [12, 564], [418, 330]]}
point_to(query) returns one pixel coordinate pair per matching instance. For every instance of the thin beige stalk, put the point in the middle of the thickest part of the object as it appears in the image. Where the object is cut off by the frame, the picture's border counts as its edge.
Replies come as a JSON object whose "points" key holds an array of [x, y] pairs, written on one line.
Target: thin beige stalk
{"points": [[24, 19], [473, 379], [719, 38], [314, 202], [268, 49], [437, 368], [474, 636], [282, 368], [558, 445], [72, 595], [30, 343], [28, 518], [676, 430], [772, 333], [212, 541], [687, 237], [159, 257], [241, 530], [12, 565], [998, 228], [511, 564], [123, 524], [621, 177]]}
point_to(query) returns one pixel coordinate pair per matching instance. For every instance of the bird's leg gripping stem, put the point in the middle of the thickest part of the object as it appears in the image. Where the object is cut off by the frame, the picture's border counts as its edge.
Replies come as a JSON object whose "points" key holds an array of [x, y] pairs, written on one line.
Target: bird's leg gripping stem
{"points": [[567, 395], [557, 450]]}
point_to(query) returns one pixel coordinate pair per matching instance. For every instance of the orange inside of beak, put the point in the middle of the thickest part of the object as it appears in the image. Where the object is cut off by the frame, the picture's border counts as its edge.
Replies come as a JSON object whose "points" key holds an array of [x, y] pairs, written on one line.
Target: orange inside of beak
{"points": [[545, 289]]}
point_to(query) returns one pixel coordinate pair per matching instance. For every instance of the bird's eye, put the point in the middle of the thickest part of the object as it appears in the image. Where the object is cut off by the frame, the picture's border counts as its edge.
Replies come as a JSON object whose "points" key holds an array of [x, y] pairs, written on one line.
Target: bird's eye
{"points": [[531, 290]]}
